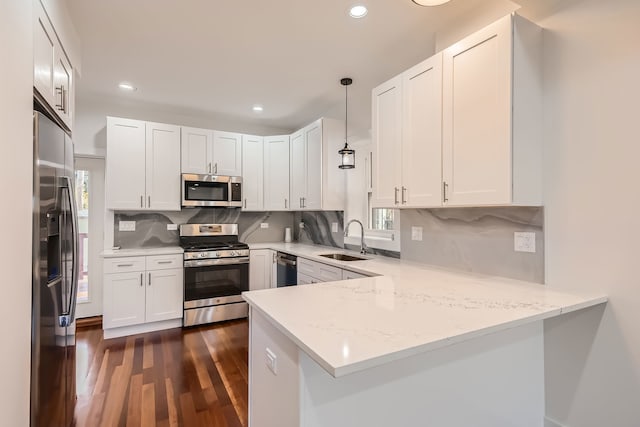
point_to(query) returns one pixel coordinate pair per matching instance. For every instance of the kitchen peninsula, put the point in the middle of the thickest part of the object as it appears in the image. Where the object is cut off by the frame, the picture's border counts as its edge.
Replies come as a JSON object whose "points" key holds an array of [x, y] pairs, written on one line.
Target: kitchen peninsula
{"points": [[414, 345]]}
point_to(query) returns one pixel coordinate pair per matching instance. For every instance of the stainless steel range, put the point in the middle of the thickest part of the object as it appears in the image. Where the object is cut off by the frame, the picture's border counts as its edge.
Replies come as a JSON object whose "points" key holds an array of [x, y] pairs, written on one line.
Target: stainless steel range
{"points": [[216, 272]]}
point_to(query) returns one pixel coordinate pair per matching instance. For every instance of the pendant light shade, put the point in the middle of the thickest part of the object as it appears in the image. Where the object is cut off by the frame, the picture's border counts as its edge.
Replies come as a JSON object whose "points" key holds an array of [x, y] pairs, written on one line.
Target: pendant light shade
{"points": [[347, 155]]}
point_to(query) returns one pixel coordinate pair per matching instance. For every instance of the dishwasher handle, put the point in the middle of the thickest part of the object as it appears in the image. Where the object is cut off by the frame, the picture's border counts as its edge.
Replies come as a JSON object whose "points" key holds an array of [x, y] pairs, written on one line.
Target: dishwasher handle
{"points": [[286, 261]]}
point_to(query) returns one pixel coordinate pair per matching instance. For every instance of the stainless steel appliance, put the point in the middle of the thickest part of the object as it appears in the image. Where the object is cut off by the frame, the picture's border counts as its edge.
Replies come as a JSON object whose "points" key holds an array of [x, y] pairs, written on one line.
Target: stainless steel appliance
{"points": [[287, 270], [216, 272], [211, 191], [55, 276]]}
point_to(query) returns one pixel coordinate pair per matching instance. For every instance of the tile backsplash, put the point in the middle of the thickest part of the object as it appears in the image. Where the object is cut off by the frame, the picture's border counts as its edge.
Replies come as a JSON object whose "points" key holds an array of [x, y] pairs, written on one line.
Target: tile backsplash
{"points": [[317, 228], [475, 239], [151, 227]]}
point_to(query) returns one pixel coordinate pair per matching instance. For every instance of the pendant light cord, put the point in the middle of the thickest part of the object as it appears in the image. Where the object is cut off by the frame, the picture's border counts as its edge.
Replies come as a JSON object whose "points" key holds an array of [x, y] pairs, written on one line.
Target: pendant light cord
{"points": [[346, 113]]}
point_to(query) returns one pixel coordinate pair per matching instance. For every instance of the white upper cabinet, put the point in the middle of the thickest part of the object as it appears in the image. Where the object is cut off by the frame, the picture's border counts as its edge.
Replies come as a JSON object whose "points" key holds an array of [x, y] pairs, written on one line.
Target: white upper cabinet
{"points": [[197, 151], [52, 71], [492, 116], [163, 167], [422, 135], [387, 142], [316, 181], [142, 165], [227, 153], [252, 173], [276, 173]]}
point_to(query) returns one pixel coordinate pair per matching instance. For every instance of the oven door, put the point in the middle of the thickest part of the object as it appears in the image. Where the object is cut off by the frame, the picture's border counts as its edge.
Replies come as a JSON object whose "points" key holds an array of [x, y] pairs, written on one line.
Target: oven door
{"points": [[215, 281], [205, 190]]}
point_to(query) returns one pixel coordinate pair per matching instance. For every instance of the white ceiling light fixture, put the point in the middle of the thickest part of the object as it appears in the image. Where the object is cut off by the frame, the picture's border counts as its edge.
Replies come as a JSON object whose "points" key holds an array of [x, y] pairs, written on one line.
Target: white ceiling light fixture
{"points": [[258, 108], [358, 11], [430, 2], [127, 86]]}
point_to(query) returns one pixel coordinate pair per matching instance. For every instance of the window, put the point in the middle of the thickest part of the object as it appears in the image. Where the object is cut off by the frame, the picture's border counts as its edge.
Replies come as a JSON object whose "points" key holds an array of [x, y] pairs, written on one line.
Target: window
{"points": [[82, 201], [381, 219]]}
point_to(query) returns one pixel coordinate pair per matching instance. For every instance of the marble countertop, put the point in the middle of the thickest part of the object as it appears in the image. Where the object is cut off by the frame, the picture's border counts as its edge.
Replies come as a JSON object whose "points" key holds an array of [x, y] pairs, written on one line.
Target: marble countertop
{"points": [[115, 253], [408, 308]]}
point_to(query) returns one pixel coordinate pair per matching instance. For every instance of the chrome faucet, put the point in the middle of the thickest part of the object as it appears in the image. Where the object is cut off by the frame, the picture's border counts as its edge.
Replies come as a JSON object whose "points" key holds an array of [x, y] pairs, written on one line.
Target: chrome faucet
{"points": [[363, 247]]}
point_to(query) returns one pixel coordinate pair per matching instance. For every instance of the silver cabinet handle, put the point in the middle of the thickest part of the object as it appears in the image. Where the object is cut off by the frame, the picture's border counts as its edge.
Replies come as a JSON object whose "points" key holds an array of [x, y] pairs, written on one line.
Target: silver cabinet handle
{"points": [[395, 190], [141, 201], [125, 265], [245, 203], [404, 195], [285, 203], [149, 279], [60, 91], [445, 188], [64, 100], [215, 168], [149, 201], [209, 167], [163, 262], [141, 279], [301, 202], [304, 202]]}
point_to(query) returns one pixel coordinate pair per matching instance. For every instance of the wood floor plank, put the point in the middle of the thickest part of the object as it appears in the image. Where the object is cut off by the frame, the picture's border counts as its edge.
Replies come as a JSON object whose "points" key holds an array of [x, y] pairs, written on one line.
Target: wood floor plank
{"points": [[179, 377]]}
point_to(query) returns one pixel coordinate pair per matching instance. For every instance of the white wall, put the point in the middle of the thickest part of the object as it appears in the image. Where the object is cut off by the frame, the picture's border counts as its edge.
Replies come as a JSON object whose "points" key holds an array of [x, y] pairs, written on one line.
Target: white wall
{"points": [[90, 123], [16, 150], [592, 206]]}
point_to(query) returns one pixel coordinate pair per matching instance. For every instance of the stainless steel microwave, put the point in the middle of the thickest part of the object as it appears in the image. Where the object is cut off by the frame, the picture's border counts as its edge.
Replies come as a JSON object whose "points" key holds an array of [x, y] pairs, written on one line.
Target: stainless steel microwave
{"points": [[211, 191]]}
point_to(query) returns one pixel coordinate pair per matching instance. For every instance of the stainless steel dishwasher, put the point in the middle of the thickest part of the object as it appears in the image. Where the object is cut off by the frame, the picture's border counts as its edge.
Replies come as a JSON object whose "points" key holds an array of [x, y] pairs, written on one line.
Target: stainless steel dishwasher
{"points": [[287, 269]]}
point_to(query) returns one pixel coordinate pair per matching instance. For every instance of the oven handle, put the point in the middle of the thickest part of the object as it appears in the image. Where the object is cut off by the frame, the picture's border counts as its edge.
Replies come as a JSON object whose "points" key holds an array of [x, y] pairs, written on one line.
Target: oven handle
{"points": [[211, 262]]}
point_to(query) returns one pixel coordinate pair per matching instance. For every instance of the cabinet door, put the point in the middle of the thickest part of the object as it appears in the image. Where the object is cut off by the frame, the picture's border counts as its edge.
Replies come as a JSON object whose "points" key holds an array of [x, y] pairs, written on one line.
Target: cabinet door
{"points": [[44, 46], [163, 167], [477, 117], [387, 141], [227, 153], [422, 134], [125, 164], [298, 169], [252, 173], [197, 147], [62, 81], [124, 295], [313, 147], [276, 173], [260, 262], [164, 295]]}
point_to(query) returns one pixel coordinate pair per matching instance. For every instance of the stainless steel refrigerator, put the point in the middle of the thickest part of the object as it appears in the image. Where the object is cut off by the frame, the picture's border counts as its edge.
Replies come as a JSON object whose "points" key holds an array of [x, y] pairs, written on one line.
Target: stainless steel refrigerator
{"points": [[55, 276]]}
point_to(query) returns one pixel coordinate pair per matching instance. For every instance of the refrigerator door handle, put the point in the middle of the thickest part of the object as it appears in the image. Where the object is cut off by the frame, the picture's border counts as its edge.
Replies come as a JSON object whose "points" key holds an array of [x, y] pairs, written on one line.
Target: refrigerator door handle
{"points": [[68, 316]]}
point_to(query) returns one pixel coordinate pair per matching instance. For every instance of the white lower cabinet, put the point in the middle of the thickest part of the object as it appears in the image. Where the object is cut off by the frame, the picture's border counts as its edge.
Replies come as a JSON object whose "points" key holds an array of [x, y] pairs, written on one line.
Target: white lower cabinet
{"points": [[260, 269], [142, 293], [348, 275]]}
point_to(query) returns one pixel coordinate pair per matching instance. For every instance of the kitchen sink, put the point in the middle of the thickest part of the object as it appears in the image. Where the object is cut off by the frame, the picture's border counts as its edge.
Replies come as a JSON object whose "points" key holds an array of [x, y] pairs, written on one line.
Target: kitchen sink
{"points": [[343, 257]]}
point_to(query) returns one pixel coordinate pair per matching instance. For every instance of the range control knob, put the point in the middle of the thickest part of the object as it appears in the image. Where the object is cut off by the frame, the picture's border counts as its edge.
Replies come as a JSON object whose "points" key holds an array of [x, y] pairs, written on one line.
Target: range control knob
{"points": [[202, 255]]}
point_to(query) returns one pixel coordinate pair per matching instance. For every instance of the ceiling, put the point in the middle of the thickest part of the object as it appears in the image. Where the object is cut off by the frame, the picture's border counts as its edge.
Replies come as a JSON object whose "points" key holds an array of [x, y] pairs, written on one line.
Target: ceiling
{"points": [[220, 57]]}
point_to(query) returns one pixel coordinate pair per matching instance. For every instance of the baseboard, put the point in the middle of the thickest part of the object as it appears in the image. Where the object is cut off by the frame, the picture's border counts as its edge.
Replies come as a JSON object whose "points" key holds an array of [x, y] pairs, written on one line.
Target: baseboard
{"points": [[142, 328], [89, 322], [549, 422]]}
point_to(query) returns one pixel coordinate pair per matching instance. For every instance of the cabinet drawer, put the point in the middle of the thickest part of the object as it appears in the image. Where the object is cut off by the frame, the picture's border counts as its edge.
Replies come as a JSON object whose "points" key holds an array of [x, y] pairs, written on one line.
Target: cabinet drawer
{"points": [[124, 265], [321, 272], [164, 262], [303, 279], [348, 275], [308, 268]]}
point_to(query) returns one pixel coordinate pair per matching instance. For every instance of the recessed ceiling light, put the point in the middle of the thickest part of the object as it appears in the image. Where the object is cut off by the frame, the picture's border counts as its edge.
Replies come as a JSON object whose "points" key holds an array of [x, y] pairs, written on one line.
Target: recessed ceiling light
{"points": [[127, 86], [430, 2], [358, 11], [258, 109]]}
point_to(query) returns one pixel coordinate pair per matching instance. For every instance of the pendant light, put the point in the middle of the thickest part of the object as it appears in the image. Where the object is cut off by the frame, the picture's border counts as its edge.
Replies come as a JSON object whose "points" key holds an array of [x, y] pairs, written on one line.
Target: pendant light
{"points": [[430, 2], [347, 155]]}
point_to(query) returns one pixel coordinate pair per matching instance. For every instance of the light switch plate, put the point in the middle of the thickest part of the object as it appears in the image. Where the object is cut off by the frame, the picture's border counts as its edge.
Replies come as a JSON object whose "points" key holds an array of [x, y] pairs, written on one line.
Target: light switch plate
{"points": [[272, 361], [264, 225], [416, 233], [334, 227], [127, 226], [172, 227], [524, 241]]}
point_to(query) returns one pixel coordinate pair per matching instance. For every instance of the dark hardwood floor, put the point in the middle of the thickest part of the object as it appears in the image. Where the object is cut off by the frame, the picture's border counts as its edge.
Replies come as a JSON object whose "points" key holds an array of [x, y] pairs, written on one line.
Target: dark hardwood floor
{"points": [[179, 377]]}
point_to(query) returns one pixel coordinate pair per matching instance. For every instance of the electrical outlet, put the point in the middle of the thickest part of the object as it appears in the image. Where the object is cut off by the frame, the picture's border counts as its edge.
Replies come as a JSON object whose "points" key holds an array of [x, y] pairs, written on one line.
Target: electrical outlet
{"points": [[172, 227], [272, 361], [301, 225], [334, 227], [524, 241], [127, 226], [416, 233], [264, 225]]}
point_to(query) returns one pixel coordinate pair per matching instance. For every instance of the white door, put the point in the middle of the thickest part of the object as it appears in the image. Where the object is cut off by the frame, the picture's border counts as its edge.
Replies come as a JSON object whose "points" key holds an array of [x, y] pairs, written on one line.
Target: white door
{"points": [[387, 143], [422, 135], [260, 261], [252, 173], [227, 153], [477, 117], [313, 144], [125, 164], [164, 299], [44, 46], [298, 169], [197, 147], [124, 299], [163, 167], [90, 202], [276, 173]]}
